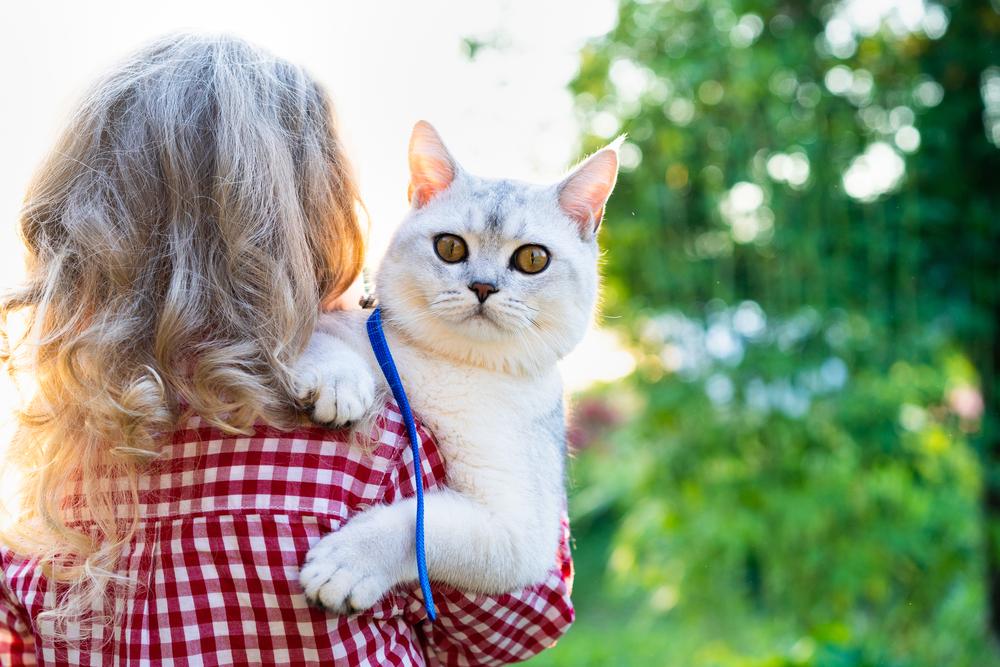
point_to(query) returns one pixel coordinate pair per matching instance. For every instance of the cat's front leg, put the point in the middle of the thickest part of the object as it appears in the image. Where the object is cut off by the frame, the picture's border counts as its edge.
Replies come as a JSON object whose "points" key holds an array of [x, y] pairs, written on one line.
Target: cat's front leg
{"points": [[332, 382], [468, 546]]}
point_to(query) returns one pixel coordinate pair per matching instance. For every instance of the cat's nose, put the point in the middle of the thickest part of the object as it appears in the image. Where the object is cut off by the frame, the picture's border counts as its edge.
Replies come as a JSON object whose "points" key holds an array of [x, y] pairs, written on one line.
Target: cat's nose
{"points": [[483, 290]]}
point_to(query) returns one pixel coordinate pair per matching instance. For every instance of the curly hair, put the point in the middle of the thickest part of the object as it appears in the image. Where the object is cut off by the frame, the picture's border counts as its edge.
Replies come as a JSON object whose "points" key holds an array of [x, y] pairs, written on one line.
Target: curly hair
{"points": [[181, 238]]}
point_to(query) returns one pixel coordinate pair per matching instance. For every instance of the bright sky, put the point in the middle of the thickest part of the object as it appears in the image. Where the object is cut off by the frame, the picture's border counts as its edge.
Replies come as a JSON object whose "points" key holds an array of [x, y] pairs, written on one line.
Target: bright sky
{"points": [[387, 64]]}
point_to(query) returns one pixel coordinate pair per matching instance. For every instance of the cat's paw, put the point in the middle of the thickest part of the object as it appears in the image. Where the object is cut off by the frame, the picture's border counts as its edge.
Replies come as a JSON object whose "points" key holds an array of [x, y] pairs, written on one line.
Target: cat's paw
{"points": [[333, 384], [349, 571]]}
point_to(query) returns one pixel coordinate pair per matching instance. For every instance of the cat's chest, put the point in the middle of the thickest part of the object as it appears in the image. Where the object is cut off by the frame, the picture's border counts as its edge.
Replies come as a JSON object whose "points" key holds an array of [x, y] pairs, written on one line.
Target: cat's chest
{"points": [[452, 395]]}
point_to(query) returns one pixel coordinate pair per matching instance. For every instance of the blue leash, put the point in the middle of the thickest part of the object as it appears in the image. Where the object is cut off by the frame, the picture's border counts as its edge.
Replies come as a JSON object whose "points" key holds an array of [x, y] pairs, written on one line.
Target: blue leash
{"points": [[388, 366]]}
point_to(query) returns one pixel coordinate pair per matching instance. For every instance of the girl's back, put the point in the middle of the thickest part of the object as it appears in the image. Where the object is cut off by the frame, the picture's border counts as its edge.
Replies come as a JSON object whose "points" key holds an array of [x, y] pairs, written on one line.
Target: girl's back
{"points": [[214, 565]]}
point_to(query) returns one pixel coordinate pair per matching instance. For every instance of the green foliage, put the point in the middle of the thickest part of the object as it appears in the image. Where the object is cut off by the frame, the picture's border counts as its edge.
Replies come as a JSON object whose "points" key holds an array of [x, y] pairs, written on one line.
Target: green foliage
{"points": [[779, 502], [796, 473], [705, 114]]}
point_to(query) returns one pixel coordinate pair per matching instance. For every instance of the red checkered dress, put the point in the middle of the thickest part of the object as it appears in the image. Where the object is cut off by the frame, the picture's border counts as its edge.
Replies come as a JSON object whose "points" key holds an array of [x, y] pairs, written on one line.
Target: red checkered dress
{"points": [[227, 521]]}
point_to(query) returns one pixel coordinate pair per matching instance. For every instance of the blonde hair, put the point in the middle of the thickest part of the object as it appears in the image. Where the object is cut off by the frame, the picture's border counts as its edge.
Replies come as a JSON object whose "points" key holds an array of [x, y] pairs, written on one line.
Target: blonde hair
{"points": [[181, 237]]}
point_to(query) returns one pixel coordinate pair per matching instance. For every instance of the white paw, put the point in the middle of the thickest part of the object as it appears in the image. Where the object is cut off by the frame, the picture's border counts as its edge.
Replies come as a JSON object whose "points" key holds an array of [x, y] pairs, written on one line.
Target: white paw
{"points": [[333, 383], [352, 569]]}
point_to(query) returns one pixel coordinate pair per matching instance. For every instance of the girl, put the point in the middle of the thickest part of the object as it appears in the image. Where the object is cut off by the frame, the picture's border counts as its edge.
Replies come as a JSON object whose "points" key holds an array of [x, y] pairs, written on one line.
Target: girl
{"points": [[182, 238]]}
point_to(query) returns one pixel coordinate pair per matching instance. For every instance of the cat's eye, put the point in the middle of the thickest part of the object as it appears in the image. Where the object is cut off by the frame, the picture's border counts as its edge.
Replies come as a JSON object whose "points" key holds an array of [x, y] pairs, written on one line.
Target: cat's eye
{"points": [[450, 248], [530, 258]]}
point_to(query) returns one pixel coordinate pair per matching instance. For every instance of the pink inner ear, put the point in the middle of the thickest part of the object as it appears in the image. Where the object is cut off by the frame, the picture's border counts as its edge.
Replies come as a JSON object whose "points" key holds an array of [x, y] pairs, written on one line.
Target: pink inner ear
{"points": [[583, 193], [429, 176], [431, 166]]}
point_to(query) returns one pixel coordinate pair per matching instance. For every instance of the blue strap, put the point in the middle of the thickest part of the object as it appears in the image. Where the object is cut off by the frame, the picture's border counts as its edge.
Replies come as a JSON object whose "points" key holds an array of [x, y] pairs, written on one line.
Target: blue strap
{"points": [[388, 366]]}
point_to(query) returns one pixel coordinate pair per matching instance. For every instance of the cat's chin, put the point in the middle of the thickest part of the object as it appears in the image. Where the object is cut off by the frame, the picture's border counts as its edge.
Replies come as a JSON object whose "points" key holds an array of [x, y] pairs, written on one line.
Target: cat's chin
{"points": [[476, 326], [488, 325], [474, 339], [482, 323]]}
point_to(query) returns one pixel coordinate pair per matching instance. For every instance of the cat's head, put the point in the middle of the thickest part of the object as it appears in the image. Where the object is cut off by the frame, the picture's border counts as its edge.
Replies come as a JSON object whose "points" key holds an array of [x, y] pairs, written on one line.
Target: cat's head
{"points": [[496, 273]]}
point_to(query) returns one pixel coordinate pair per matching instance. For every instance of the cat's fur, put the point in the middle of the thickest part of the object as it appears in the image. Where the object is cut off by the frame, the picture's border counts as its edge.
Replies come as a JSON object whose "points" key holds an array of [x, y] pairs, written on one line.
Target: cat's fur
{"points": [[481, 375]]}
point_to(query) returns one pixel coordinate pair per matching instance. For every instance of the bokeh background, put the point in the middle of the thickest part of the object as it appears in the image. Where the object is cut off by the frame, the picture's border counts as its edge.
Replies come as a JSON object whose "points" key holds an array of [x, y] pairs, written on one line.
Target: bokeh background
{"points": [[804, 468], [786, 429]]}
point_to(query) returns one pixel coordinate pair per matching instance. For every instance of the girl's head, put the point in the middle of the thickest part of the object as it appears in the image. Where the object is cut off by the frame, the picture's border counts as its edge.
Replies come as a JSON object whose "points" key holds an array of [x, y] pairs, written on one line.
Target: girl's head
{"points": [[181, 237]]}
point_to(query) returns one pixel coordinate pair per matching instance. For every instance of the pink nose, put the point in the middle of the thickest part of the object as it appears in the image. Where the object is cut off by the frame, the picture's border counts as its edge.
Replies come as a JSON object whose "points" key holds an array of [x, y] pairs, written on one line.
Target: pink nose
{"points": [[483, 290]]}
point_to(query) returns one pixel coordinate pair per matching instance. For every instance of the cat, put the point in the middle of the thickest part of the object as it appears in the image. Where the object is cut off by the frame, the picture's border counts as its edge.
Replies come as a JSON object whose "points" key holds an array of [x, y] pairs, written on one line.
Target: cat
{"points": [[485, 286]]}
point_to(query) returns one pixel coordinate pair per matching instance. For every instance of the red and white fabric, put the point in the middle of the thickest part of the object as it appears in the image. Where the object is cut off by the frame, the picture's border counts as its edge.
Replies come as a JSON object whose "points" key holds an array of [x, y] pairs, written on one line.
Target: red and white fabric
{"points": [[226, 524]]}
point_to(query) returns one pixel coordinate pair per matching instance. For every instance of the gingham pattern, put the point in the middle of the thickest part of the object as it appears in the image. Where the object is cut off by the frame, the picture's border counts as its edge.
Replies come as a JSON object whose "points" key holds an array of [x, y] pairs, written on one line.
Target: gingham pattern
{"points": [[227, 522]]}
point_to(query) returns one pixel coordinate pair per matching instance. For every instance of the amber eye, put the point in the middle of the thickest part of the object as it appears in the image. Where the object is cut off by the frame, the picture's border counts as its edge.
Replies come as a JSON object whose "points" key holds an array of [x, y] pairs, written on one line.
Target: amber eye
{"points": [[450, 248], [530, 259]]}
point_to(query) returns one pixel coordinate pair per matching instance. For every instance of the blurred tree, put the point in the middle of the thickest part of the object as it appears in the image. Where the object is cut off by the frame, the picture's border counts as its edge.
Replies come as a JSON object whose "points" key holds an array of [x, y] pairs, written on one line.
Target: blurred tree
{"points": [[957, 177], [832, 166]]}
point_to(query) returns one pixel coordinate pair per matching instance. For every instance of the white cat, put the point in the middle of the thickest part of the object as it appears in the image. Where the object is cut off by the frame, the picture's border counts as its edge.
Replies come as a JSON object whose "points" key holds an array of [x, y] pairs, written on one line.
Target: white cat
{"points": [[485, 286]]}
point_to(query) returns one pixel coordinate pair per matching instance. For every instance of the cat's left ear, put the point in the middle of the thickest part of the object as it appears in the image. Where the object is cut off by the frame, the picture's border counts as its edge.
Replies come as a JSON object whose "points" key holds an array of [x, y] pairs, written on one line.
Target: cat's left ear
{"points": [[583, 194]]}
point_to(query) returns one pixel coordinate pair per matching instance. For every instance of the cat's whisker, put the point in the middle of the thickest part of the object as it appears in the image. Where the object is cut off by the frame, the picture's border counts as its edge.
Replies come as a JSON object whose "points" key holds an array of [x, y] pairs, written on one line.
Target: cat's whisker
{"points": [[444, 300]]}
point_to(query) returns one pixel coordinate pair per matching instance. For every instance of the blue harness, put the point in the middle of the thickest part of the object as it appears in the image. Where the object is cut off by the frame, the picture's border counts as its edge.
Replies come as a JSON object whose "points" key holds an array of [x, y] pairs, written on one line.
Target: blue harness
{"points": [[388, 366]]}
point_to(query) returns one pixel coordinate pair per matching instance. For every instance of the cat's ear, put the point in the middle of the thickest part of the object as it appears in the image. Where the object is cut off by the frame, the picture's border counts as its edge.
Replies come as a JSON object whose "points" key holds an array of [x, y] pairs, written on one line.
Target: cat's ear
{"points": [[583, 194], [432, 169]]}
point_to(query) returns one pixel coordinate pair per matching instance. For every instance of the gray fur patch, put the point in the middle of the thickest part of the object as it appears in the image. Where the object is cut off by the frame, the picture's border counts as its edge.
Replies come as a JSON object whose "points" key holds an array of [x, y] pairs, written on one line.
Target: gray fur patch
{"points": [[497, 202], [553, 423]]}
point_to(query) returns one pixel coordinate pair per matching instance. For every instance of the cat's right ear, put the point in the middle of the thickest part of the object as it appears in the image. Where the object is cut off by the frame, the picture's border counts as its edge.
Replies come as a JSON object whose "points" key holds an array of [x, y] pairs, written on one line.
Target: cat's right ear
{"points": [[432, 169]]}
